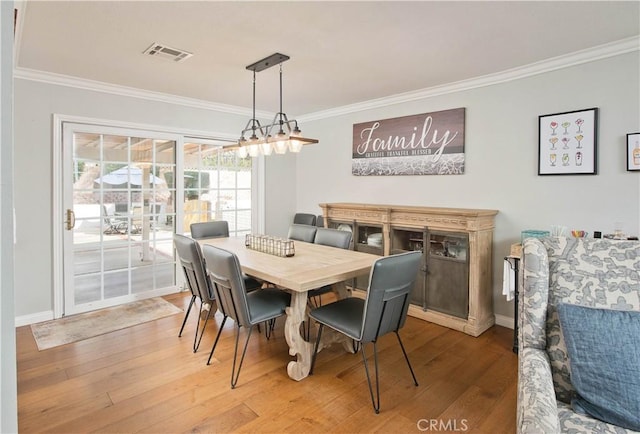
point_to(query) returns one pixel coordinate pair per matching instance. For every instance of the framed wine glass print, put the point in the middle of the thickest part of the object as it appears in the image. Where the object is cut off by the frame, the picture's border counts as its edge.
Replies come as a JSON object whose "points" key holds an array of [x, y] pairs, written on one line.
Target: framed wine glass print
{"points": [[567, 143], [633, 151]]}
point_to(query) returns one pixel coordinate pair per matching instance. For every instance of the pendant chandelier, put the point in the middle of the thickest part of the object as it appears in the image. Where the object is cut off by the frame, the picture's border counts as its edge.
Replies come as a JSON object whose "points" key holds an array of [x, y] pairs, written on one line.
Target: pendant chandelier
{"points": [[279, 136]]}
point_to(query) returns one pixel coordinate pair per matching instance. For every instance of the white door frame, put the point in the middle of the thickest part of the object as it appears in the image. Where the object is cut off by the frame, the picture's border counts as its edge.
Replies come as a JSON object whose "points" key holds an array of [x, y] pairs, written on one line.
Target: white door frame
{"points": [[58, 217]]}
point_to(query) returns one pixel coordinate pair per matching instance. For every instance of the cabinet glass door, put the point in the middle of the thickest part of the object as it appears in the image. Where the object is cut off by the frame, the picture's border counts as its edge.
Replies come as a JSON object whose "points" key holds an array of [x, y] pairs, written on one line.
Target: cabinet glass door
{"points": [[411, 240], [448, 273], [367, 239]]}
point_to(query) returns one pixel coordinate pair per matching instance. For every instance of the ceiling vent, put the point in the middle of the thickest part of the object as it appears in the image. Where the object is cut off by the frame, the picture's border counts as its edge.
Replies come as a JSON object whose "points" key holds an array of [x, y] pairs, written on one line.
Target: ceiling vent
{"points": [[159, 50]]}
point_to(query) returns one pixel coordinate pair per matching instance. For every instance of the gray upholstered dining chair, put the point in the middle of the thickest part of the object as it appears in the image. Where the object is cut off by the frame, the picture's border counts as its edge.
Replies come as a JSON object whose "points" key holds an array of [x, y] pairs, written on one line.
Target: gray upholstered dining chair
{"points": [[212, 229], [190, 256], [383, 311], [246, 309], [332, 238], [219, 229], [302, 233], [304, 219], [197, 280]]}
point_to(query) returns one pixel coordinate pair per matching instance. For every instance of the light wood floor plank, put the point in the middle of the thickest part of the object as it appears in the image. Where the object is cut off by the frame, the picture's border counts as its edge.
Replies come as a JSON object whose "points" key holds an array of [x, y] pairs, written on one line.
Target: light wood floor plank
{"points": [[146, 379], [501, 419]]}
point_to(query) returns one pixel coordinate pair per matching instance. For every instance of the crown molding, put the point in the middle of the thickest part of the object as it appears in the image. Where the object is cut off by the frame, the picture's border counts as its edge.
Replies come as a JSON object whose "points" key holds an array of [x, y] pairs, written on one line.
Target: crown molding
{"points": [[99, 86], [612, 49], [616, 48]]}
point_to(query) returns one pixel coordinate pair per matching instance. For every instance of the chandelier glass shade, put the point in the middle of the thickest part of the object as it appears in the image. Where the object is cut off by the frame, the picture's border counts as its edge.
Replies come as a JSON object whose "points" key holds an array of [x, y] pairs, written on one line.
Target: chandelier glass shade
{"points": [[281, 135]]}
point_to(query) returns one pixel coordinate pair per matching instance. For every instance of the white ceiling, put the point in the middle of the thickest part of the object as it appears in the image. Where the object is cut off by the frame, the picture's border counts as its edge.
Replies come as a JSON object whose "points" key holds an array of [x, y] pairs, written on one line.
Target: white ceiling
{"points": [[342, 53]]}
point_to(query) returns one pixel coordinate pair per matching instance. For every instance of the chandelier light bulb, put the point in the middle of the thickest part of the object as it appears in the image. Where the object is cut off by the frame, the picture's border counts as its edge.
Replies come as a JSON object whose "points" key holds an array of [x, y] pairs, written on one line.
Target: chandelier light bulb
{"points": [[281, 147], [295, 145], [266, 148], [242, 152], [253, 150]]}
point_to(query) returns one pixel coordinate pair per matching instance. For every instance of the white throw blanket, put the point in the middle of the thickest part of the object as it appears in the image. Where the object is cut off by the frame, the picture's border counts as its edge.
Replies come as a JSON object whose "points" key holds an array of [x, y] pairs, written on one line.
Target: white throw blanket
{"points": [[508, 281]]}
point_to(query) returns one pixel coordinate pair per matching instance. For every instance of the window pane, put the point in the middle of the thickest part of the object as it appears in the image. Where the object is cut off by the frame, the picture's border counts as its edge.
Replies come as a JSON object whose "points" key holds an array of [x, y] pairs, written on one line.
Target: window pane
{"points": [[163, 275], [116, 284], [227, 178], [228, 199], [165, 152], [115, 148], [244, 177], [211, 183], [244, 199], [244, 220], [141, 279], [116, 259], [87, 288]]}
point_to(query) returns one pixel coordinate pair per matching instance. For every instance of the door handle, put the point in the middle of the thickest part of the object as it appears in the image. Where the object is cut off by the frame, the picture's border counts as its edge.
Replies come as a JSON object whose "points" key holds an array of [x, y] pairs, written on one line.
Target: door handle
{"points": [[70, 220]]}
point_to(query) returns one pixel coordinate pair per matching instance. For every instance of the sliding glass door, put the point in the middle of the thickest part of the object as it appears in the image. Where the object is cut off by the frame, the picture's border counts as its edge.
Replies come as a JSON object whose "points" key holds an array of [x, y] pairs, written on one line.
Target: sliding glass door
{"points": [[119, 198], [125, 192]]}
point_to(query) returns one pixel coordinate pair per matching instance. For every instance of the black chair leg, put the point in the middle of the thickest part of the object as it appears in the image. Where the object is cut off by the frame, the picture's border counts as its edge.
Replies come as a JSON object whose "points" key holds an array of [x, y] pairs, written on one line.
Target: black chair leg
{"points": [[315, 349], [268, 328], [196, 339], [235, 375], [312, 303], [217, 337], [186, 315], [374, 400], [306, 329], [204, 326], [407, 359], [306, 324]]}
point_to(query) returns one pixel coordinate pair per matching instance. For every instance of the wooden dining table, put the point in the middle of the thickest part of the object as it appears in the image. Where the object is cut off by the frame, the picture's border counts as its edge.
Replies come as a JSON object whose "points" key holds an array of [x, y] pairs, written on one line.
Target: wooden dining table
{"points": [[312, 267]]}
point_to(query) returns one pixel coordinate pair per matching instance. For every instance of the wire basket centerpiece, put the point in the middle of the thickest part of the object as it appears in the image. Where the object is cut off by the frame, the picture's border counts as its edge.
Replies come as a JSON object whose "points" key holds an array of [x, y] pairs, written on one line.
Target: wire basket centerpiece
{"points": [[271, 245]]}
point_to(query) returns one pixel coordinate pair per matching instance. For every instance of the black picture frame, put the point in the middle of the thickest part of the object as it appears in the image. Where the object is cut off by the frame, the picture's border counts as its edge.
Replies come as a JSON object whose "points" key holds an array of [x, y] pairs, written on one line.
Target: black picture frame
{"points": [[568, 143], [633, 152]]}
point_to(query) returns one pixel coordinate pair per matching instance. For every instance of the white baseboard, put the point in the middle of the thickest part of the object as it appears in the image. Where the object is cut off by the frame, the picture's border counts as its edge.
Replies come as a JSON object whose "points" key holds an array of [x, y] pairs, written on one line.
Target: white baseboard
{"points": [[501, 320], [34, 318], [505, 321]]}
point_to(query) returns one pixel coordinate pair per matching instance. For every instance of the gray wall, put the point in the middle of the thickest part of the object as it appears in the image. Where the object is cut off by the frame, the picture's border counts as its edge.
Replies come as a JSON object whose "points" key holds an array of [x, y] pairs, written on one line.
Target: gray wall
{"points": [[501, 133], [280, 193], [8, 388]]}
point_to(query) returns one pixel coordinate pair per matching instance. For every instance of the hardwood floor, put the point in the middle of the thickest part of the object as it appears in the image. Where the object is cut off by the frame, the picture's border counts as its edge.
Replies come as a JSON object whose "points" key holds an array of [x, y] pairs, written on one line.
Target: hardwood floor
{"points": [[146, 379]]}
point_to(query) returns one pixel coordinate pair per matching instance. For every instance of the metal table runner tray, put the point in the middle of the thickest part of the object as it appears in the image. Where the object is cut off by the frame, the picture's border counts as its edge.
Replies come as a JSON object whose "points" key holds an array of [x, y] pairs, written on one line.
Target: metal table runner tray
{"points": [[271, 245]]}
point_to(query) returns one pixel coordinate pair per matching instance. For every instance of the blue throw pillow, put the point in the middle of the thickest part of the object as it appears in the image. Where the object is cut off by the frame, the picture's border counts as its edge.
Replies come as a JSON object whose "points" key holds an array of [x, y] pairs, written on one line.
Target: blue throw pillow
{"points": [[603, 346]]}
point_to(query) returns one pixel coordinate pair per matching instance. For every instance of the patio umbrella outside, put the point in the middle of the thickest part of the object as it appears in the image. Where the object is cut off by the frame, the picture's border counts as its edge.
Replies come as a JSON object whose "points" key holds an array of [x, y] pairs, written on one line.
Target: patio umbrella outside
{"points": [[128, 175]]}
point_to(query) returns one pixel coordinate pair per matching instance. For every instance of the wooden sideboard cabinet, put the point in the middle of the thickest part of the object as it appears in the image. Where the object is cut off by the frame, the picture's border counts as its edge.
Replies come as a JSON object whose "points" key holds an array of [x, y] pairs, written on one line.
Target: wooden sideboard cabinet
{"points": [[454, 284]]}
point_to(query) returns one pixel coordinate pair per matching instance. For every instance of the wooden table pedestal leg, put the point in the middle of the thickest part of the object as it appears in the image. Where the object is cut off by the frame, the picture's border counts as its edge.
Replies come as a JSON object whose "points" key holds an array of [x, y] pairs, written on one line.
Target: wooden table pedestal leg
{"points": [[299, 368]]}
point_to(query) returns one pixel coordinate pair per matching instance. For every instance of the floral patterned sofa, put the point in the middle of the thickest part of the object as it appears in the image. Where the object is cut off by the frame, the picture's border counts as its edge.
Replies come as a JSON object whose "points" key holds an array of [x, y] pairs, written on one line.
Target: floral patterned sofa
{"points": [[597, 273]]}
